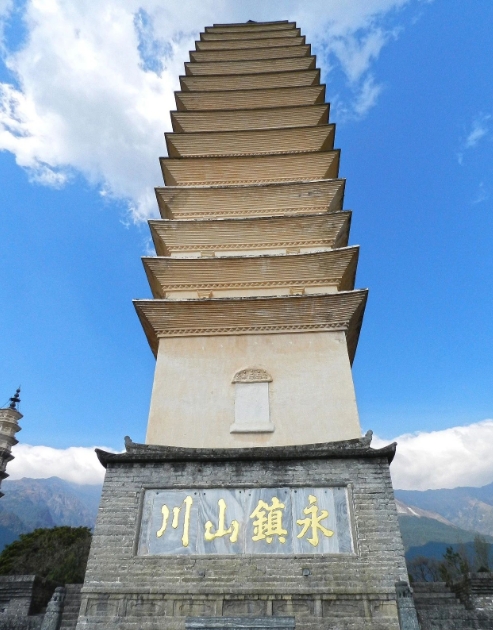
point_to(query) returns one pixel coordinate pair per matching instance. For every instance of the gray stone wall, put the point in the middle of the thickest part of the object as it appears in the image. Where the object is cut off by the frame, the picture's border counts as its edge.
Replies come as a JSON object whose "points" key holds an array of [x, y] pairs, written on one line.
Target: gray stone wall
{"points": [[476, 591], [24, 595], [22, 598], [123, 590]]}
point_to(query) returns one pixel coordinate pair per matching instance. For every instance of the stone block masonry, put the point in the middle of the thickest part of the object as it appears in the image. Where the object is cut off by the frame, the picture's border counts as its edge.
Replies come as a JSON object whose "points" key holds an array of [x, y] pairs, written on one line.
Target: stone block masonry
{"points": [[344, 591]]}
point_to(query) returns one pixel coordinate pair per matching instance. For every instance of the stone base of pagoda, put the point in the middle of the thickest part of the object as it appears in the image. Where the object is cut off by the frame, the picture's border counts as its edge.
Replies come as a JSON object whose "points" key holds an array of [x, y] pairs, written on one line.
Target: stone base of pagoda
{"points": [[296, 536]]}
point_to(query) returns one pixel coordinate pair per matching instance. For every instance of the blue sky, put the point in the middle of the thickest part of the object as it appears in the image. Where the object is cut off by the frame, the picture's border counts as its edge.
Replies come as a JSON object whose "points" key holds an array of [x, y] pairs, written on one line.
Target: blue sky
{"points": [[84, 101]]}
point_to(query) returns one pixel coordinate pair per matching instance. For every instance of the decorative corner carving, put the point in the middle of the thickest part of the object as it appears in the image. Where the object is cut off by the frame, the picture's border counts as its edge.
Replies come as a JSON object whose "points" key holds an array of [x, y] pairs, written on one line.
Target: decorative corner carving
{"points": [[252, 375]]}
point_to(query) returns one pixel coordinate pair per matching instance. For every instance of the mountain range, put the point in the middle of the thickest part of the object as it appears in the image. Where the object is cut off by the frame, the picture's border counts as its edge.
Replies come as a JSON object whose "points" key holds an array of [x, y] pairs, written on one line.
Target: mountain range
{"points": [[31, 503], [430, 520], [467, 508]]}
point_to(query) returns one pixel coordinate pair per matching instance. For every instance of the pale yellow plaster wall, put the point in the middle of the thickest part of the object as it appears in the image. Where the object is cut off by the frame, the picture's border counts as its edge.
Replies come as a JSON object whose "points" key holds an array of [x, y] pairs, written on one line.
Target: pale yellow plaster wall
{"points": [[311, 395]]}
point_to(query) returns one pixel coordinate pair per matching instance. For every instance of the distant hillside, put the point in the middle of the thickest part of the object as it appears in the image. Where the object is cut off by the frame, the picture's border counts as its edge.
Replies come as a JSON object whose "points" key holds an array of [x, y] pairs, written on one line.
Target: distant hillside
{"points": [[32, 503], [467, 508], [437, 550], [418, 531], [407, 510]]}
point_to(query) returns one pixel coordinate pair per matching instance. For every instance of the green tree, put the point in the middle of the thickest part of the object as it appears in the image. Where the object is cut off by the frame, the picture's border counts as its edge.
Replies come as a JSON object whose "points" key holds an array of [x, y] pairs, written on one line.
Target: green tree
{"points": [[482, 553], [455, 565], [423, 569], [58, 554]]}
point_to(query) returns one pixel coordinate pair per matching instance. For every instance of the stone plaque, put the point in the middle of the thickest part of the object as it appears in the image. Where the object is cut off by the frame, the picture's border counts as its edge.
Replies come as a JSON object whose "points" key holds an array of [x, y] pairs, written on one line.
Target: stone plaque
{"points": [[247, 521]]}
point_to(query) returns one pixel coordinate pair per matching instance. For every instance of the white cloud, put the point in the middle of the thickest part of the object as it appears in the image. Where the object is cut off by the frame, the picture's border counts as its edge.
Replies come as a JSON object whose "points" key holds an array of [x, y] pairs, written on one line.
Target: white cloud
{"points": [[356, 54], [95, 79], [482, 194], [77, 464], [480, 128], [6, 7], [459, 456], [478, 131], [367, 96]]}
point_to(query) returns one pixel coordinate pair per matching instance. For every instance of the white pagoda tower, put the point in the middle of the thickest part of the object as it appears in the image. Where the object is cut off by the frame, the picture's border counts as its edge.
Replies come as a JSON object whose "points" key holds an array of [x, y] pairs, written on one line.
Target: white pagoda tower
{"points": [[255, 319]]}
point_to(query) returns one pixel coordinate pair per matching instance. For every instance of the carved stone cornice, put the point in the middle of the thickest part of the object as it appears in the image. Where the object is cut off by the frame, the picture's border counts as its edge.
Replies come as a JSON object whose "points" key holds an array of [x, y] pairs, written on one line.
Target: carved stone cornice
{"points": [[264, 199], [251, 143], [307, 230], [334, 267], [252, 375], [357, 448], [251, 169], [253, 315]]}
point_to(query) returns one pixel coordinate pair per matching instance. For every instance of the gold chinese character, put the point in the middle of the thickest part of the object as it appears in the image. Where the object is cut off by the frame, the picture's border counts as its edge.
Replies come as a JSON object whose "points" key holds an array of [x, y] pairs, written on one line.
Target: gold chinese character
{"points": [[174, 524], [269, 521], [233, 529], [313, 522]]}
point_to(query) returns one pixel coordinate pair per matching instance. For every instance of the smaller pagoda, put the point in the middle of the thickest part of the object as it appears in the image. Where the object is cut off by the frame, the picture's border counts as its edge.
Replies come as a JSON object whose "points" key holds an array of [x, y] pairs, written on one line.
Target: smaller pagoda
{"points": [[9, 426]]}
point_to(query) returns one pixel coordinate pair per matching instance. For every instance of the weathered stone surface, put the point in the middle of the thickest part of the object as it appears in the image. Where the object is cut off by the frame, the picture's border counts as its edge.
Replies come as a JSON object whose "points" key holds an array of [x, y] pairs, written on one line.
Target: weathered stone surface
{"points": [[345, 591], [208, 623], [71, 606], [24, 594], [408, 619], [22, 600], [53, 614], [439, 608]]}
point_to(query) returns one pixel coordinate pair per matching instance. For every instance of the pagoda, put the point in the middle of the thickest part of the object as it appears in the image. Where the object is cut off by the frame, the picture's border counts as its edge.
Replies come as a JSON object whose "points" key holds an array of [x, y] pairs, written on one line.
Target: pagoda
{"points": [[254, 319], [254, 503], [9, 426]]}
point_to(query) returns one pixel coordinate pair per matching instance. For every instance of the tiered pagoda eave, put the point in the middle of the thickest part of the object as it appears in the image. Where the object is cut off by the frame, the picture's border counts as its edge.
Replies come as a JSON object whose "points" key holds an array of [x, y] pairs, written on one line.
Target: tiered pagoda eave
{"points": [[253, 240]]}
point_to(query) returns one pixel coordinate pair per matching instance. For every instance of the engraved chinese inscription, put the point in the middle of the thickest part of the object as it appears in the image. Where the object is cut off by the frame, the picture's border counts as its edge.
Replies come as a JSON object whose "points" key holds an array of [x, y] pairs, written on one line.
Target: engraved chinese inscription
{"points": [[246, 521]]}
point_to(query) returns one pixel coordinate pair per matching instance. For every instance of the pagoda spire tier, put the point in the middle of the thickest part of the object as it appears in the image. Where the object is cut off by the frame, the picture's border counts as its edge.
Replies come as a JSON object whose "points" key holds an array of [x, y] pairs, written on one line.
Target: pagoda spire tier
{"points": [[261, 118], [253, 269], [274, 235], [261, 52], [275, 199], [249, 143]]}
